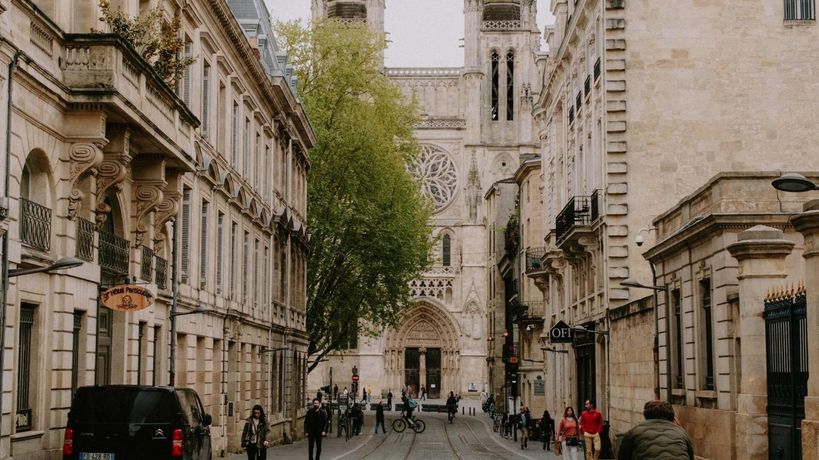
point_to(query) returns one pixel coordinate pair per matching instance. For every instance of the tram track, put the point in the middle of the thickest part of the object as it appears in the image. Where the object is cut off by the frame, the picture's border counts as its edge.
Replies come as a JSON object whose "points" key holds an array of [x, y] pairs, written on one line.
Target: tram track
{"points": [[449, 441]]}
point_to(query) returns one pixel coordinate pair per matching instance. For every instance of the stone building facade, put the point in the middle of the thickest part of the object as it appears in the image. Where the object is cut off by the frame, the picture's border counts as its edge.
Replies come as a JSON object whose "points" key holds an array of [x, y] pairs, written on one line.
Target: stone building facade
{"points": [[196, 192], [638, 106], [476, 123]]}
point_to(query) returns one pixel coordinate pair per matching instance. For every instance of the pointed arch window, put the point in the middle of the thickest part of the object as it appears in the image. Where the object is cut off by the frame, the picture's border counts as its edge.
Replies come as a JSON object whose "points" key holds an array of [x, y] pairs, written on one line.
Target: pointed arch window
{"points": [[510, 85], [495, 83], [447, 251]]}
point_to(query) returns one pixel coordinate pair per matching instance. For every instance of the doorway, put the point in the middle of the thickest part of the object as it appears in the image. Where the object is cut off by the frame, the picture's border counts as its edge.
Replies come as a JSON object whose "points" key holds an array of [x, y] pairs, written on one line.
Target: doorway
{"points": [[433, 364], [412, 368]]}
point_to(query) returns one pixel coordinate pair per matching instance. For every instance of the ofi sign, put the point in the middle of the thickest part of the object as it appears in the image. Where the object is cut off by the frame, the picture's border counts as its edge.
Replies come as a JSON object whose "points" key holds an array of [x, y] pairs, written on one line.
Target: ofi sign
{"points": [[560, 333]]}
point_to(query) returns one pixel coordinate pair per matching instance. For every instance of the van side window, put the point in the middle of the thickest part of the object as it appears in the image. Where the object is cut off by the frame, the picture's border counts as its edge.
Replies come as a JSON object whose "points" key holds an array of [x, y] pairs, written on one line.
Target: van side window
{"points": [[191, 407]]}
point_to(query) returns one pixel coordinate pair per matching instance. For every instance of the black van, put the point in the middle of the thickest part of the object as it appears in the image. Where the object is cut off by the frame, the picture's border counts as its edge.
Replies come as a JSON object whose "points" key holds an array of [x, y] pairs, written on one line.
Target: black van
{"points": [[133, 422]]}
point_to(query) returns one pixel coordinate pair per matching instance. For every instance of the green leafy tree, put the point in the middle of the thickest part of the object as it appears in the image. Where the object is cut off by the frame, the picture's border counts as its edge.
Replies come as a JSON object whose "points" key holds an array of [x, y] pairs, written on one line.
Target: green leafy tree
{"points": [[367, 219]]}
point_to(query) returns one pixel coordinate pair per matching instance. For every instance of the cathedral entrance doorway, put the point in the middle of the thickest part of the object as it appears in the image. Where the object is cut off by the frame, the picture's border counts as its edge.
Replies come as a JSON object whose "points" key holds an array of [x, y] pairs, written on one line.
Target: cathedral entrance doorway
{"points": [[424, 350]]}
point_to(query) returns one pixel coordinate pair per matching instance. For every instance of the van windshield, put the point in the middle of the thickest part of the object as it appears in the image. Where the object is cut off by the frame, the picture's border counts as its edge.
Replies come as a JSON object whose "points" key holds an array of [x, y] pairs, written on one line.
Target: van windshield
{"points": [[123, 405]]}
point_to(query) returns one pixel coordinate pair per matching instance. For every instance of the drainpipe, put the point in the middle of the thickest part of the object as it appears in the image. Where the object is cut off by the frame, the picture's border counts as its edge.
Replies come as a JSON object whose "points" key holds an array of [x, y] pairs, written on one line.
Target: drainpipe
{"points": [[656, 332], [4, 265], [174, 268]]}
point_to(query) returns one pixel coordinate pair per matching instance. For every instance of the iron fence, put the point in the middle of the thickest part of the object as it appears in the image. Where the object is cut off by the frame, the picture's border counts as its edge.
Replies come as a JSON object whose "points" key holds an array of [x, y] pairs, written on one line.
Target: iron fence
{"points": [[35, 225], [533, 259], [576, 212]]}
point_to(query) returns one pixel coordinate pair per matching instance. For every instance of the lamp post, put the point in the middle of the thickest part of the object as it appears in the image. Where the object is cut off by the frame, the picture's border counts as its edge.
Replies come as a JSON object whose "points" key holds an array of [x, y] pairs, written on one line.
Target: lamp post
{"points": [[656, 288]]}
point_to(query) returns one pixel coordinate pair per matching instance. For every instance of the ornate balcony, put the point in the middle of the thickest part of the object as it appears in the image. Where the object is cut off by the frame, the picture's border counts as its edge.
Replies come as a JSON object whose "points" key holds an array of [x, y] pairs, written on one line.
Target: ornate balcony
{"points": [[35, 225], [85, 239], [534, 262], [147, 261], [161, 272], [114, 253], [105, 69], [577, 218]]}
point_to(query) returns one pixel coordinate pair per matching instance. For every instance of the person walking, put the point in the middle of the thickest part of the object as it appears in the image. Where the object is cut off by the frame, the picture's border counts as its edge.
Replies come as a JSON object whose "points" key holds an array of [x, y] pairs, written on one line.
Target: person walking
{"points": [[346, 392], [314, 423], [389, 400], [568, 434], [547, 430], [423, 392], [328, 412], [591, 425], [335, 391], [658, 437], [379, 417], [451, 406], [524, 424], [254, 434], [363, 395], [343, 417]]}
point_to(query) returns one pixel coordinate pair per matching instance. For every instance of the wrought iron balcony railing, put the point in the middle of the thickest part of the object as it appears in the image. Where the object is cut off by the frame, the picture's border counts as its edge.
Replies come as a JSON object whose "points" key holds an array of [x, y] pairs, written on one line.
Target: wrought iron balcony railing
{"points": [[35, 225], [147, 261], [114, 253], [161, 272], [580, 210], [85, 239], [533, 259]]}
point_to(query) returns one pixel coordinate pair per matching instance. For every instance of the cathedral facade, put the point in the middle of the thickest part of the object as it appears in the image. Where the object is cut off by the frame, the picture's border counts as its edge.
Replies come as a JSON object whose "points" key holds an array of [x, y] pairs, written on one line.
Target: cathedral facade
{"points": [[476, 123]]}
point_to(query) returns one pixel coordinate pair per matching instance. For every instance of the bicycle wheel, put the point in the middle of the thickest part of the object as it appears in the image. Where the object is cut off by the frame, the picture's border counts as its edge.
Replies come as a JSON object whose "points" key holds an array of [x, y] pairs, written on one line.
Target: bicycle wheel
{"points": [[419, 426], [399, 425]]}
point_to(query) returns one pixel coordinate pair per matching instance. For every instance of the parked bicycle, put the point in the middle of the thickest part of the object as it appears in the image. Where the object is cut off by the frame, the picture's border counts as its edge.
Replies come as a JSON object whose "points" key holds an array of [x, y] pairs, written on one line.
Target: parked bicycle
{"points": [[416, 424]]}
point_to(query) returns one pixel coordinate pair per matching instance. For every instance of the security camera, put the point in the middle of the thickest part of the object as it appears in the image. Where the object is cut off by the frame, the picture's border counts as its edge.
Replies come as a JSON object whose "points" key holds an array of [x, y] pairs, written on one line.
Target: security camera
{"points": [[529, 327], [639, 239]]}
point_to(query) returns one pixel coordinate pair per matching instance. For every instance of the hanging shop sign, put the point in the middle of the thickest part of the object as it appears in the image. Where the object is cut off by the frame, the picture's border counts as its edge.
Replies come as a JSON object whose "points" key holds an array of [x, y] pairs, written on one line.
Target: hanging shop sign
{"points": [[560, 333], [127, 297]]}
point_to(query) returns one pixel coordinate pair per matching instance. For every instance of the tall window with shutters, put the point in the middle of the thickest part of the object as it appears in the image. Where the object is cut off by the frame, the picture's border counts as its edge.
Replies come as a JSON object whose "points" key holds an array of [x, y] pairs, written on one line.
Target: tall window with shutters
{"points": [[257, 161], [220, 249], [266, 191], [677, 351], [234, 154], [266, 283], [245, 274], [76, 336], [246, 151], [186, 75], [256, 271], [205, 113], [184, 264], [800, 10], [707, 332], [234, 235], [203, 246]]}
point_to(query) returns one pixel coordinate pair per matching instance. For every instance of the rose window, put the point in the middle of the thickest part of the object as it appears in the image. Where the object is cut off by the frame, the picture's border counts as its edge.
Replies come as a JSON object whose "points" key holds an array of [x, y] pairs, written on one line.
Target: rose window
{"points": [[436, 171]]}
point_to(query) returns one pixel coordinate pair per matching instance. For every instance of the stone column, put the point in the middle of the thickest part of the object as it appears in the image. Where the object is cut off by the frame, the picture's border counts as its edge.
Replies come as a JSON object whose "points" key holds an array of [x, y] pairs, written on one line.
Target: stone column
{"points": [[808, 224], [761, 253]]}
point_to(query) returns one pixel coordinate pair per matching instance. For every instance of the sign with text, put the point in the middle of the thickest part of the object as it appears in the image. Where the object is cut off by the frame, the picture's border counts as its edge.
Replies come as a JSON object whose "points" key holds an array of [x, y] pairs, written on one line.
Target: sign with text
{"points": [[127, 297], [540, 386], [560, 333]]}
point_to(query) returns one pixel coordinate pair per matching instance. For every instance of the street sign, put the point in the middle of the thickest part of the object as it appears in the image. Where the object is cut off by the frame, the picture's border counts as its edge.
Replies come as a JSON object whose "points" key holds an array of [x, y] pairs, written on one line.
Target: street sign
{"points": [[560, 333], [355, 378]]}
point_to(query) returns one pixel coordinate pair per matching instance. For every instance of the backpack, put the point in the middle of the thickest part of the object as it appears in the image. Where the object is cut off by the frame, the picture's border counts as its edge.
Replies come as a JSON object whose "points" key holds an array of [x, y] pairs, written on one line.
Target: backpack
{"points": [[412, 404]]}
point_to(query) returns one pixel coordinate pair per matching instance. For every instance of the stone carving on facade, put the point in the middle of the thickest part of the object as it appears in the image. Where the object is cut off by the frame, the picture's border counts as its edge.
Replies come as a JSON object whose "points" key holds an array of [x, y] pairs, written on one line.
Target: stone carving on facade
{"points": [[85, 158], [441, 123], [112, 173], [149, 195], [473, 315], [436, 171], [167, 208], [473, 191], [503, 165]]}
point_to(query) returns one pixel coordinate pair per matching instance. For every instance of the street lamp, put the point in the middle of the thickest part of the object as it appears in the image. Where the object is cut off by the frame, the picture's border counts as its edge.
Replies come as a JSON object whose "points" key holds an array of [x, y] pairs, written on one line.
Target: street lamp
{"points": [[199, 309], [792, 182], [632, 283], [61, 264], [589, 331]]}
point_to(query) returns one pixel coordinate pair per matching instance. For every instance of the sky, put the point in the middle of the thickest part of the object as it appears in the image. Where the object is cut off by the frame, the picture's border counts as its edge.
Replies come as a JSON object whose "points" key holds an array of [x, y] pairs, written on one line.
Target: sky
{"points": [[422, 33]]}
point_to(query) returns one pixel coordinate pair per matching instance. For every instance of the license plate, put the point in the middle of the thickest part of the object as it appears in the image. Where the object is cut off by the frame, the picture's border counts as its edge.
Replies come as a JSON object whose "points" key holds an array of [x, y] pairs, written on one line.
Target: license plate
{"points": [[96, 456]]}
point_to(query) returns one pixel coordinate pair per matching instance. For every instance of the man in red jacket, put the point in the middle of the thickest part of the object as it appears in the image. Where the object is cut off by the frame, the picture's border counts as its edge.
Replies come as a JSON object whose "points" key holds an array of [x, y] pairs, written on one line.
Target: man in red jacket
{"points": [[591, 425]]}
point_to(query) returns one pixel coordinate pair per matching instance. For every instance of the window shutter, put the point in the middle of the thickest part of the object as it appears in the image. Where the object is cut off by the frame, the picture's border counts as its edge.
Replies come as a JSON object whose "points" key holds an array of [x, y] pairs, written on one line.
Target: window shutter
{"points": [[186, 76], [186, 230], [220, 234], [206, 100], [203, 247]]}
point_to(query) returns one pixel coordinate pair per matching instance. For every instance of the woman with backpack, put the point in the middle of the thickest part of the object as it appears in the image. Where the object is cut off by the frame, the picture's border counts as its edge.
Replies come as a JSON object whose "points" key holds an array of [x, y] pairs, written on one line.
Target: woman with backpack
{"points": [[254, 435]]}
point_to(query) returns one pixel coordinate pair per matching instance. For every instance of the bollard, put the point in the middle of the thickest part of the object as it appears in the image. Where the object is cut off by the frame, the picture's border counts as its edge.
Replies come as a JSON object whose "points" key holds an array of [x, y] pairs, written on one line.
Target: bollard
{"points": [[462, 410]]}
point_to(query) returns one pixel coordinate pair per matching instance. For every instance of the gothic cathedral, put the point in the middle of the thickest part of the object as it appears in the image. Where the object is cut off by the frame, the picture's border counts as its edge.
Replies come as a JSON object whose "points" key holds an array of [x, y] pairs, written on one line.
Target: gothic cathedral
{"points": [[476, 127]]}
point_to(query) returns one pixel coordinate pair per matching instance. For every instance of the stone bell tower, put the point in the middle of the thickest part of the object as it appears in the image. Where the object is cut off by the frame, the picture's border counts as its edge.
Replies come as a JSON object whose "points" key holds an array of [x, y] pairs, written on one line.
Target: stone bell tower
{"points": [[367, 11]]}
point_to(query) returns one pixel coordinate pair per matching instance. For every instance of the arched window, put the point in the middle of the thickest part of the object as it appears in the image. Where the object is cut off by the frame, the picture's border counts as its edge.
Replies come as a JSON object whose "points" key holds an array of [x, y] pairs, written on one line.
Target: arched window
{"points": [[495, 83], [510, 85], [35, 215], [447, 251]]}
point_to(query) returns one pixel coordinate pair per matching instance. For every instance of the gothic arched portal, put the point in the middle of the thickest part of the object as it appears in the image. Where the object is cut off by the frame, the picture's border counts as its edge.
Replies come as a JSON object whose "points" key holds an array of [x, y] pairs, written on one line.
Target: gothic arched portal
{"points": [[424, 349]]}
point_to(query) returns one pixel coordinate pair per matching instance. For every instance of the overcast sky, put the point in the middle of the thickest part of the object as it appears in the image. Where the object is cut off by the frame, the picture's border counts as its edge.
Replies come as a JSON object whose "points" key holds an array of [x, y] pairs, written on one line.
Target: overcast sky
{"points": [[422, 33]]}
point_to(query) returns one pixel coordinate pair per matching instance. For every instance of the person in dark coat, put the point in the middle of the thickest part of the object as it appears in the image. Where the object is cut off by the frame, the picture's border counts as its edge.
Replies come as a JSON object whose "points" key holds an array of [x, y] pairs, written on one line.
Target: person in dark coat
{"points": [[379, 417], [658, 437], [547, 430], [314, 423], [254, 434], [389, 400]]}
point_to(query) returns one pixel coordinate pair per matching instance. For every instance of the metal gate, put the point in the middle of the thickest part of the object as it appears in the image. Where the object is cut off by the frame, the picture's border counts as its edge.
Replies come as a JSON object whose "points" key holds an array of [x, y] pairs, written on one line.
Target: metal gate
{"points": [[433, 364], [786, 346]]}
